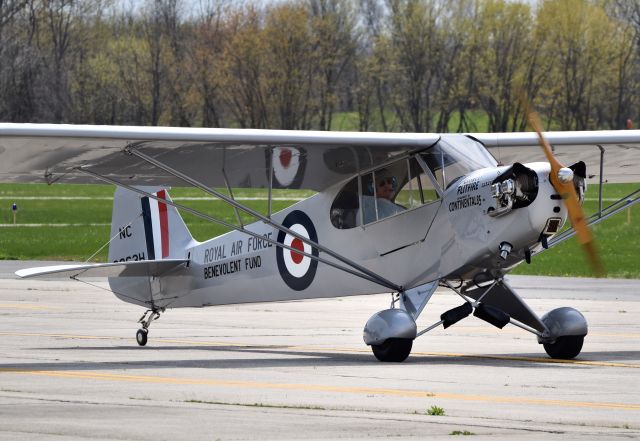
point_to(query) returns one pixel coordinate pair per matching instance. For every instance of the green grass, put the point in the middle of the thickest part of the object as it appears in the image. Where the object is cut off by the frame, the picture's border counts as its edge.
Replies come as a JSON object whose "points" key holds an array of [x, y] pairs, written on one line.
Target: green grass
{"points": [[349, 121], [618, 238], [435, 411], [477, 121], [81, 240]]}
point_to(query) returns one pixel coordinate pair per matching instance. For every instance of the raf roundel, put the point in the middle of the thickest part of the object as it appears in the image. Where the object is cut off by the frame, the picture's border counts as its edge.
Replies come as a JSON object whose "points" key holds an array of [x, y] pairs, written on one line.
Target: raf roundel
{"points": [[297, 270], [287, 165]]}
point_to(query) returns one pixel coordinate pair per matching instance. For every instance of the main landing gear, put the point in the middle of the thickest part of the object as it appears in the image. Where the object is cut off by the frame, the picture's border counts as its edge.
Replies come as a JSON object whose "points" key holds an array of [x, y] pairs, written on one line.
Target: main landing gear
{"points": [[393, 349], [146, 319], [566, 347], [567, 328], [391, 332]]}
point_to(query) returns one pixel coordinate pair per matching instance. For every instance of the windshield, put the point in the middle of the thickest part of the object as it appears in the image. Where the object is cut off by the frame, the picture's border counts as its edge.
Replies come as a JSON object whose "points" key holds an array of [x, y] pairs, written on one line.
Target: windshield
{"points": [[455, 156]]}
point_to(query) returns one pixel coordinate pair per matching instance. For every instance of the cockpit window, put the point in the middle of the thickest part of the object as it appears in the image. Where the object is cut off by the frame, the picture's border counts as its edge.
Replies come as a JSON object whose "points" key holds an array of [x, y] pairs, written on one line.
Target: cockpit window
{"points": [[455, 156], [381, 193], [419, 189], [346, 206], [380, 189]]}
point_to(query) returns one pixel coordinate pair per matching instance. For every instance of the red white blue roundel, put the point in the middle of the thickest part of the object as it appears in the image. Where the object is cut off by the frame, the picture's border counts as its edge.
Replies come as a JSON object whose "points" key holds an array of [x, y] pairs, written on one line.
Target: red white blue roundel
{"points": [[297, 270], [288, 164]]}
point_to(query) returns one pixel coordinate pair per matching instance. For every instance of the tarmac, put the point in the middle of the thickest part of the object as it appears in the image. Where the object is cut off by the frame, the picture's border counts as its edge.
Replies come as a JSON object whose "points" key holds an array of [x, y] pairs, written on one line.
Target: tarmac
{"points": [[70, 369]]}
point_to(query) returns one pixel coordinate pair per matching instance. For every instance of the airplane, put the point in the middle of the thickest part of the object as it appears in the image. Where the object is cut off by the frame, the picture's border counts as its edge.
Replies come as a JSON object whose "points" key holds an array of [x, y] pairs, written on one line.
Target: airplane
{"points": [[399, 213]]}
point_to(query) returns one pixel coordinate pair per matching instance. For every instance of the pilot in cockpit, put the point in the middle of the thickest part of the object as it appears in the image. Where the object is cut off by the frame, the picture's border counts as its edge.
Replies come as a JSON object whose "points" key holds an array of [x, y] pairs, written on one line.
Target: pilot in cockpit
{"points": [[386, 186]]}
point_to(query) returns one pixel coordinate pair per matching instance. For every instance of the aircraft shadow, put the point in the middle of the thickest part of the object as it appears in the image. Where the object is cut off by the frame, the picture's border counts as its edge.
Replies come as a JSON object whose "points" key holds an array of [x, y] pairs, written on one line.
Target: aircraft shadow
{"points": [[297, 358]]}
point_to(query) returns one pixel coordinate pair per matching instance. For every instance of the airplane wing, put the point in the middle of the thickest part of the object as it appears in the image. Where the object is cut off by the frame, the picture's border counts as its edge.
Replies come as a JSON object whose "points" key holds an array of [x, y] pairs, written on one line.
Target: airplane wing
{"points": [[616, 151], [145, 268], [299, 159], [248, 158], [585, 137]]}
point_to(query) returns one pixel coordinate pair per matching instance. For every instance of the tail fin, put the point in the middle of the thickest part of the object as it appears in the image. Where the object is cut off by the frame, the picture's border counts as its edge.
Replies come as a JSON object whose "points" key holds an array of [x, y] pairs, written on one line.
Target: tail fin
{"points": [[145, 229]]}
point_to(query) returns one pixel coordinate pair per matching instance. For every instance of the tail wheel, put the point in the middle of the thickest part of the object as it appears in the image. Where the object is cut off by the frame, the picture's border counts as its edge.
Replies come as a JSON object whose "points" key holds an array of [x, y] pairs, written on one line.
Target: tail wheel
{"points": [[565, 348], [393, 349], [141, 336]]}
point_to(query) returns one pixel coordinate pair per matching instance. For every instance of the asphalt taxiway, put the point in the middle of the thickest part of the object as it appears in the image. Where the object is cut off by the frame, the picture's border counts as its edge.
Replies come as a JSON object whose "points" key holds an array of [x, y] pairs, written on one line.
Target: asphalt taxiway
{"points": [[70, 369]]}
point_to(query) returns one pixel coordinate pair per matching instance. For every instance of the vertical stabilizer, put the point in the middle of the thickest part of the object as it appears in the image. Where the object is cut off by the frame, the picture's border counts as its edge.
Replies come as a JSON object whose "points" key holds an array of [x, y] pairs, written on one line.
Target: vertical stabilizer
{"points": [[145, 229]]}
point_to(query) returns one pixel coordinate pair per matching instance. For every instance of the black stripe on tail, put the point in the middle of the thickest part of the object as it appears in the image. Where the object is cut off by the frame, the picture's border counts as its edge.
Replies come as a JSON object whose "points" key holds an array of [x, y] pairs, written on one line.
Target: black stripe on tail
{"points": [[148, 227]]}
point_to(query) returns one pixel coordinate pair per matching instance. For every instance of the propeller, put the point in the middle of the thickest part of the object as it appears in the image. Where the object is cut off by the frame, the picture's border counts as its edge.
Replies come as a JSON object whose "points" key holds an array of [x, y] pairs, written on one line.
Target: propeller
{"points": [[562, 180]]}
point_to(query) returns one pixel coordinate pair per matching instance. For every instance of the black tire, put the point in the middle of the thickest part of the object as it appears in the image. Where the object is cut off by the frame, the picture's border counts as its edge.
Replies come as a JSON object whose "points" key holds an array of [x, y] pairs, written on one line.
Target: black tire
{"points": [[141, 337], [565, 348], [393, 350]]}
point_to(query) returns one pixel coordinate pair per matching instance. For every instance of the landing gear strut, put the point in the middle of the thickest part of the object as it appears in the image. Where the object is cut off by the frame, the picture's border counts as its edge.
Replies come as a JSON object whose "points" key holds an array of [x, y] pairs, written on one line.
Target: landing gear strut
{"points": [[146, 319], [391, 332]]}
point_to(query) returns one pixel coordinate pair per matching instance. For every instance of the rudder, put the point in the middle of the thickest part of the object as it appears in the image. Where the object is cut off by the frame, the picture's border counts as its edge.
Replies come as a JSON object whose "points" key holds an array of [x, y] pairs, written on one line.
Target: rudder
{"points": [[145, 229]]}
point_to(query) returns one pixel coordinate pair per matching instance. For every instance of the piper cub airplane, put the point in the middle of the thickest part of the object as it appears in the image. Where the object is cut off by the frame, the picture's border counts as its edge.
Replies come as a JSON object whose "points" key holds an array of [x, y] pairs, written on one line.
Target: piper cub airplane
{"points": [[399, 213]]}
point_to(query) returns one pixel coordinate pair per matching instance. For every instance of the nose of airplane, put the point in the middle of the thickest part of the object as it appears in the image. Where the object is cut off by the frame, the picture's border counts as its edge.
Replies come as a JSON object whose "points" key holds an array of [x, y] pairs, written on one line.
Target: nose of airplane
{"points": [[566, 189], [550, 213]]}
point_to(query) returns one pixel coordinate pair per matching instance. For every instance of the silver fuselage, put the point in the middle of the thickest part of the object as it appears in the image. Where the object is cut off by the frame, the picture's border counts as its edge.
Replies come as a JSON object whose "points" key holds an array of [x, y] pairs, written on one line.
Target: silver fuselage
{"points": [[451, 238]]}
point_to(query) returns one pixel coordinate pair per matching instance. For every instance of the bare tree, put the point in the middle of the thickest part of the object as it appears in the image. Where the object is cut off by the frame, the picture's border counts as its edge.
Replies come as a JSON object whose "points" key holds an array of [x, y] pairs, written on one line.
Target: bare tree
{"points": [[505, 31], [332, 24], [209, 37], [243, 83], [416, 46]]}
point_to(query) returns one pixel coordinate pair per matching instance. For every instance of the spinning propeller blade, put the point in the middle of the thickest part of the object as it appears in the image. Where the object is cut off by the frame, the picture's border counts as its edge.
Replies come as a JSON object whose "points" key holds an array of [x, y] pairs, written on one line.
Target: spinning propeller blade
{"points": [[562, 180]]}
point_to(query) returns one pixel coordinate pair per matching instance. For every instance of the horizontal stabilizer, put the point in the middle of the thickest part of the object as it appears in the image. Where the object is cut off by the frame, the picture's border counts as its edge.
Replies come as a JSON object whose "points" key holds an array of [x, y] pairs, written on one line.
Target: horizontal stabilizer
{"points": [[143, 268]]}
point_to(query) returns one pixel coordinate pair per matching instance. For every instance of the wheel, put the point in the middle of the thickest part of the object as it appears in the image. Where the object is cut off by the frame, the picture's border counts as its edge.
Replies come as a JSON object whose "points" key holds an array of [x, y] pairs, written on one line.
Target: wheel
{"points": [[565, 347], [141, 336], [393, 349]]}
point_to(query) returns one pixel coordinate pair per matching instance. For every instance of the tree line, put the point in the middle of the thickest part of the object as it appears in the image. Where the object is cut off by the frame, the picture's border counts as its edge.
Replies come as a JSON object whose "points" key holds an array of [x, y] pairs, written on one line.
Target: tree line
{"points": [[387, 65]]}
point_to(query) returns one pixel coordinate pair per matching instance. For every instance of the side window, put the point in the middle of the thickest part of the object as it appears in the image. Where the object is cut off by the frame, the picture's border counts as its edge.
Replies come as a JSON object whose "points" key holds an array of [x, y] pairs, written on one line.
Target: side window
{"points": [[369, 204], [381, 196], [434, 160], [345, 208], [409, 194], [428, 190], [381, 193], [419, 189], [443, 166]]}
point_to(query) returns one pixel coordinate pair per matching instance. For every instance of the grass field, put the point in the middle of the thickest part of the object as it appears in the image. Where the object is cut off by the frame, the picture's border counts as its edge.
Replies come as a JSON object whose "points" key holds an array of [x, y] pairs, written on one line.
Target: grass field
{"points": [[618, 241], [77, 219], [477, 121]]}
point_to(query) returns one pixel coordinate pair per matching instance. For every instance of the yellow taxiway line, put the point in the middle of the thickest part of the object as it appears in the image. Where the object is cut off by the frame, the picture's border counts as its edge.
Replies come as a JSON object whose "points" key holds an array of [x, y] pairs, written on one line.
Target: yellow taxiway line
{"points": [[484, 330], [82, 375]]}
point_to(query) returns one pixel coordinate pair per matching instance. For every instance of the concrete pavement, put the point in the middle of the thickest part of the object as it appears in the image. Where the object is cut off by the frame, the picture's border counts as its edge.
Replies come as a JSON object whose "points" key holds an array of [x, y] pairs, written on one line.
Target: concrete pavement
{"points": [[70, 369]]}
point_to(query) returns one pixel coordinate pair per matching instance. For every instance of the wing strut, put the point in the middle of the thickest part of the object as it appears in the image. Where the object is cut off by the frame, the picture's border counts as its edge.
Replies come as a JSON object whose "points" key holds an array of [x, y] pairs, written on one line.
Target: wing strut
{"points": [[380, 280], [269, 197], [226, 182], [375, 279]]}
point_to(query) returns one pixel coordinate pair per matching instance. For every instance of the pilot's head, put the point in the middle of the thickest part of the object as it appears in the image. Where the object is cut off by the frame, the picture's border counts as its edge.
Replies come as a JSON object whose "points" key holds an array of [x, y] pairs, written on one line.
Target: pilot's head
{"points": [[386, 184]]}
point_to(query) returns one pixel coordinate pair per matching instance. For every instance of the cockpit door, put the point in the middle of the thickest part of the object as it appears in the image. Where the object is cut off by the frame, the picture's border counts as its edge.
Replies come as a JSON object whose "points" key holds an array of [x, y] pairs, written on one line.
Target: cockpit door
{"points": [[403, 229], [398, 204]]}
